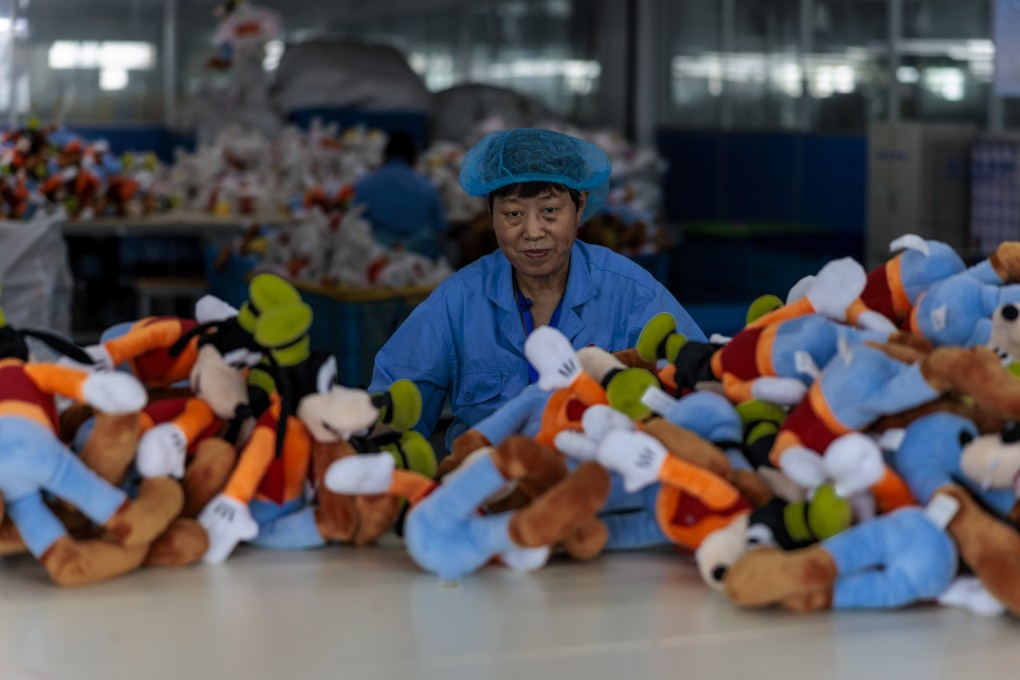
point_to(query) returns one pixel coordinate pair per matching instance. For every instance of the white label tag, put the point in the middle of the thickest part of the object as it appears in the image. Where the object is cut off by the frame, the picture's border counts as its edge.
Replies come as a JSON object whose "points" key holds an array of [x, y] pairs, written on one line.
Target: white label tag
{"points": [[805, 364], [658, 401], [941, 510], [939, 318], [891, 440]]}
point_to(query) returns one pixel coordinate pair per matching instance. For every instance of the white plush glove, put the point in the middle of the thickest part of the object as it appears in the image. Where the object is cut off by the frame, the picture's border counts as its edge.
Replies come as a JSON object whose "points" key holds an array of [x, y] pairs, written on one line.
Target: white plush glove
{"points": [[115, 392], [873, 321], [162, 451], [228, 521], [101, 356], [553, 357], [367, 474], [837, 285], [783, 391], [526, 559], [635, 456], [597, 421], [969, 594], [803, 467], [210, 308], [854, 462]]}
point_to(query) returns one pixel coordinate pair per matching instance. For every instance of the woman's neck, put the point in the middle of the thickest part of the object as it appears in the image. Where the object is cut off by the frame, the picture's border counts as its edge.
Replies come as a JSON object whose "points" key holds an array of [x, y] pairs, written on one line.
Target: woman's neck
{"points": [[543, 289]]}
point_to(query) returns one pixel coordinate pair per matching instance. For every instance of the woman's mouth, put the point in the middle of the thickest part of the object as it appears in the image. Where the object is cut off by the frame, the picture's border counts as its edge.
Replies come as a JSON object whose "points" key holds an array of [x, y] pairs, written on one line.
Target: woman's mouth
{"points": [[536, 254]]}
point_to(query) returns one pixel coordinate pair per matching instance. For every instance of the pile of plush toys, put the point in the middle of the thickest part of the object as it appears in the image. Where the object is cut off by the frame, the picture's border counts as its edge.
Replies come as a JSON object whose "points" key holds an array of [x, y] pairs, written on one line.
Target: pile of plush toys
{"points": [[49, 168], [854, 446]]}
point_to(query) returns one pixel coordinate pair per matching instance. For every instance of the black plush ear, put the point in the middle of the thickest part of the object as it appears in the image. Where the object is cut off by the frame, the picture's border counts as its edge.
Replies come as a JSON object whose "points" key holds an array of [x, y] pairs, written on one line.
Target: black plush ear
{"points": [[65, 347], [197, 331]]}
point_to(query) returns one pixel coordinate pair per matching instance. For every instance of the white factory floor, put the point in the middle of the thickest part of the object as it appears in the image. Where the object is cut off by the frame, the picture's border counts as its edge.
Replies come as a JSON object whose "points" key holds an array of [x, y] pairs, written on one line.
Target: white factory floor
{"points": [[370, 613]]}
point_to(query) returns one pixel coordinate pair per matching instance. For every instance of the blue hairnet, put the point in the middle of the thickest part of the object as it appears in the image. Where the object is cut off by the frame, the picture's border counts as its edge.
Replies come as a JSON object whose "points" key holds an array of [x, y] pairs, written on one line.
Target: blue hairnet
{"points": [[535, 155]]}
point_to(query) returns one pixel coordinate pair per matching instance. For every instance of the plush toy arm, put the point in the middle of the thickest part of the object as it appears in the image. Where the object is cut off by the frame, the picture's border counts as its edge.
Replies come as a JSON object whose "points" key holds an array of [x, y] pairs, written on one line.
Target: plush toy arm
{"points": [[64, 381], [196, 418], [713, 490], [906, 390], [138, 341], [254, 461]]}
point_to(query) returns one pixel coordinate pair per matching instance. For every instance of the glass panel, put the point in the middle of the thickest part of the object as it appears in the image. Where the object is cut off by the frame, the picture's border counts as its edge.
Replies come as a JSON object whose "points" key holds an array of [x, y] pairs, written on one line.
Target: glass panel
{"points": [[947, 60], [847, 71], [692, 63], [95, 61], [763, 72]]}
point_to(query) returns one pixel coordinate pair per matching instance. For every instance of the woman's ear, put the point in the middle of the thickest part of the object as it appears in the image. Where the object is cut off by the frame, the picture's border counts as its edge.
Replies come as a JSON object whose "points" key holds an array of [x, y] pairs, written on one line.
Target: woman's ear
{"points": [[582, 202]]}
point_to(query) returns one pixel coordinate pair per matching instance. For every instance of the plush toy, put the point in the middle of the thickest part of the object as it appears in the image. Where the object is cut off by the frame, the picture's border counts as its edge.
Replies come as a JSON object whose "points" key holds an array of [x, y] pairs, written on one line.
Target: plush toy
{"points": [[774, 363], [36, 462], [445, 530], [890, 561], [264, 500]]}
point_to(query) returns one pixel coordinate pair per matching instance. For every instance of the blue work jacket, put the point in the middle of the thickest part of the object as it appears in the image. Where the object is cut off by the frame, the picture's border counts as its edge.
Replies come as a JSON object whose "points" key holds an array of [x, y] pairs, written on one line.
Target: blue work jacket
{"points": [[465, 342]]}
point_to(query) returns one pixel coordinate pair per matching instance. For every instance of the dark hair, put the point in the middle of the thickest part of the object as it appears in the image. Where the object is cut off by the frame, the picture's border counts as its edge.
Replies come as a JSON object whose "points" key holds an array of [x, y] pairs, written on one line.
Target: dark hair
{"points": [[401, 146], [532, 189]]}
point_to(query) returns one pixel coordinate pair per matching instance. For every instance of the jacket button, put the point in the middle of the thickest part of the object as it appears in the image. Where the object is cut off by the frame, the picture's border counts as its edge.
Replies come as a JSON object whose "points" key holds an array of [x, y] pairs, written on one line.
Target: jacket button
{"points": [[468, 395]]}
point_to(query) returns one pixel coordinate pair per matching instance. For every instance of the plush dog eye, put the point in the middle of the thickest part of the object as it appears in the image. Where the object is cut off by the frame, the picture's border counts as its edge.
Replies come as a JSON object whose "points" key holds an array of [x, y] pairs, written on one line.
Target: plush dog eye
{"points": [[1011, 433], [965, 438]]}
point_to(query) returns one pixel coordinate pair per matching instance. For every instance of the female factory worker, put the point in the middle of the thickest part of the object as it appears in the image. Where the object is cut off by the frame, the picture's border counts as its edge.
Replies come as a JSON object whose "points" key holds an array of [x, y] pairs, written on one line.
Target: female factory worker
{"points": [[466, 341]]}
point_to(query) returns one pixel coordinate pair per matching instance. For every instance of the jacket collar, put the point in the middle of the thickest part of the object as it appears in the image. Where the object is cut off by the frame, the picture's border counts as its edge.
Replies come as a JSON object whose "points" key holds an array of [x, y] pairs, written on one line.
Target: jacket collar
{"points": [[580, 289]]}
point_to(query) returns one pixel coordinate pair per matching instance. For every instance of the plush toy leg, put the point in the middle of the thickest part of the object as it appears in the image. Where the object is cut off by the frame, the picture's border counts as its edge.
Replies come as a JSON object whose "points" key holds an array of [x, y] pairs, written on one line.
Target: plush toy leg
{"points": [[72, 563], [140, 521], [184, 542], [111, 446], [72, 419], [752, 487], [893, 561], [1006, 261], [207, 474], [586, 539], [633, 530], [550, 517], [977, 372], [690, 447], [767, 576], [988, 546], [537, 467], [11, 542], [335, 515], [463, 446], [378, 514]]}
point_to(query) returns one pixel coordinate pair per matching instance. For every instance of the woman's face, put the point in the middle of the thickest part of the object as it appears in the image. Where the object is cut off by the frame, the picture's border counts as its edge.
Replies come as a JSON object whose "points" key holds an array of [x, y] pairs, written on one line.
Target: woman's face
{"points": [[536, 234]]}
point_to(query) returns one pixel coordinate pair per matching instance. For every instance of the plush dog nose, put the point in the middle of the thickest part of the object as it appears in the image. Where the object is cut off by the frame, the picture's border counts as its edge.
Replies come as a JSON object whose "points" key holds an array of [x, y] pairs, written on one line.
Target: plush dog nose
{"points": [[719, 573], [1010, 312]]}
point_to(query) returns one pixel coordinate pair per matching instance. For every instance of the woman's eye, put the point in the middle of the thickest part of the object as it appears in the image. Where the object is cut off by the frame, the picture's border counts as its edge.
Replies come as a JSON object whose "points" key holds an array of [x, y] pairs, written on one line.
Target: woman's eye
{"points": [[550, 211], [514, 213]]}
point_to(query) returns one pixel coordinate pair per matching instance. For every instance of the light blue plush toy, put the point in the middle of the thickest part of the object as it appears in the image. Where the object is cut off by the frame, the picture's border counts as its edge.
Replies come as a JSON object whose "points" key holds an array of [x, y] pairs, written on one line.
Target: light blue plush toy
{"points": [[891, 561], [446, 531]]}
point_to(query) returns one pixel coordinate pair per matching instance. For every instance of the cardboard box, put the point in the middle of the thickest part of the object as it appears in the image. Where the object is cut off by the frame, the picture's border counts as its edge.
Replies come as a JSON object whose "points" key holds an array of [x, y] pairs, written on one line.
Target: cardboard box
{"points": [[918, 183]]}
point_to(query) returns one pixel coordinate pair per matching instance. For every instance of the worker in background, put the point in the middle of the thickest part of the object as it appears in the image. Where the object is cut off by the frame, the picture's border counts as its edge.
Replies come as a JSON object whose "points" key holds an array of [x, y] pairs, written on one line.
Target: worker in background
{"points": [[403, 206], [465, 342]]}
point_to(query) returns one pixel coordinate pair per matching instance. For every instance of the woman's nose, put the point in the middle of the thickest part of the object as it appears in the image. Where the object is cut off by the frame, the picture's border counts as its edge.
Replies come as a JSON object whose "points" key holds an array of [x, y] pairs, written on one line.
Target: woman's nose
{"points": [[533, 228]]}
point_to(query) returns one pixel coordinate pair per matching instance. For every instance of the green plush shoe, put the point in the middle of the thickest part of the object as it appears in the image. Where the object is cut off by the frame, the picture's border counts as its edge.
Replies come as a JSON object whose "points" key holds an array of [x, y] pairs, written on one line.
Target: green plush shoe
{"points": [[625, 390], [400, 405], [413, 452], [762, 306], [655, 333]]}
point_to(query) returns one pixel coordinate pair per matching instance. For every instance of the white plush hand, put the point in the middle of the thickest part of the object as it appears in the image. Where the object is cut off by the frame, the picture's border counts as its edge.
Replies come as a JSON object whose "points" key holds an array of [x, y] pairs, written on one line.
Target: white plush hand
{"points": [[553, 357], [228, 521], [599, 420], [115, 392], [836, 287], [101, 356], [576, 444], [368, 474], [210, 308], [803, 467], [873, 321], [526, 559], [854, 462], [969, 594], [783, 391], [635, 456], [162, 451]]}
